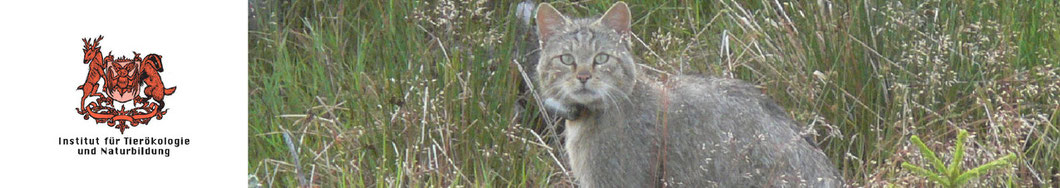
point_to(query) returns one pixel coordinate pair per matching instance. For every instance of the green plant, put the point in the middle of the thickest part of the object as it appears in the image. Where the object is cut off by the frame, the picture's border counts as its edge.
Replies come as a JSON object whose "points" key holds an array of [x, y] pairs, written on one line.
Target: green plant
{"points": [[951, 175]]}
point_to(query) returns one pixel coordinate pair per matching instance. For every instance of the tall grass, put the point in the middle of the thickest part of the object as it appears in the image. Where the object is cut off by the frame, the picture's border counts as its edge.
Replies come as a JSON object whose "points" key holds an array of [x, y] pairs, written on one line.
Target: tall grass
{"points": [[427, 93]]}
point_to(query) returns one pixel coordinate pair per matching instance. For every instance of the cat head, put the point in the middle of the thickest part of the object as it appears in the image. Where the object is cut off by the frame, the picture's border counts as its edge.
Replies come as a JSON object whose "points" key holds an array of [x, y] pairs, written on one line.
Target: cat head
{"points": [[586, 61]]}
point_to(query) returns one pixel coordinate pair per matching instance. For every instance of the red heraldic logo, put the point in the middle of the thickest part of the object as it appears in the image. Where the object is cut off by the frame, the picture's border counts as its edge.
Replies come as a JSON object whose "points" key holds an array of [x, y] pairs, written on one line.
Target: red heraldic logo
{"points": [[124, 80]]}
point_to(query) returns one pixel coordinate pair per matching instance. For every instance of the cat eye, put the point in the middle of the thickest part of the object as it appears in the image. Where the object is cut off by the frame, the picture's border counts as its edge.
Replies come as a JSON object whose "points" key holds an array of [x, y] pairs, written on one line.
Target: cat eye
{"points": [[600, 59], [566, 59]]}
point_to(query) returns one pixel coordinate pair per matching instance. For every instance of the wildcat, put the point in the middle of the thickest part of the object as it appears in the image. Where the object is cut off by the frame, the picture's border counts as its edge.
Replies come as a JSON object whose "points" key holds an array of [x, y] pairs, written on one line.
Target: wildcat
{"points": [[624, 129]]}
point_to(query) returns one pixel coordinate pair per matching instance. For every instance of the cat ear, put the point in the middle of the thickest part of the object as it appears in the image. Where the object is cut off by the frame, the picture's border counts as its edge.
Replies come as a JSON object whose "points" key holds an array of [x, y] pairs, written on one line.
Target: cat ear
{"points": [[549, 21], [617, 18]]}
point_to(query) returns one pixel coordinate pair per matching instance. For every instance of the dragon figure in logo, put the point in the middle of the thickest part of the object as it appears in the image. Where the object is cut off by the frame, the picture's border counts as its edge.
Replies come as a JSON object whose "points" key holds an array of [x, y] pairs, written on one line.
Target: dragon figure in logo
{"points": [[122, 81]]}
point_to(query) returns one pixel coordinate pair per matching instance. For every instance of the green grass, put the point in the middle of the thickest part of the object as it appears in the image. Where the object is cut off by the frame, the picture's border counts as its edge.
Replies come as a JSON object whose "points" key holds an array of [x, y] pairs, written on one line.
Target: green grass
{"points": [[411, 93], [951, 175]]}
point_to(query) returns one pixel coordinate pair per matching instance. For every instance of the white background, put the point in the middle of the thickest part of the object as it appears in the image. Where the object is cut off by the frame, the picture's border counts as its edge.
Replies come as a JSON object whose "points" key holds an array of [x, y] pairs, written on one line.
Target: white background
{"points": [[204, 51]]}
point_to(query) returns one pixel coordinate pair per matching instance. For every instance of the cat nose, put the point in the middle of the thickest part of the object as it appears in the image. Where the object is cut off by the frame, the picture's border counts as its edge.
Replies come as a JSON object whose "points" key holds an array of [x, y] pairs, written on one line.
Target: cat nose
{"points": [[584, 76]]}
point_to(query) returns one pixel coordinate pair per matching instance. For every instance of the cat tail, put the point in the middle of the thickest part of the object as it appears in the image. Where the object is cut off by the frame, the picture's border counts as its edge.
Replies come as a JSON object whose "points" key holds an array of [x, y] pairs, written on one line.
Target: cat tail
{"points": [[525, 11], [527, 47], [526, 54]]}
